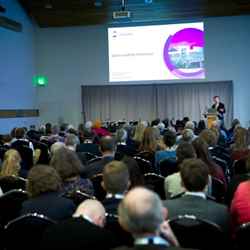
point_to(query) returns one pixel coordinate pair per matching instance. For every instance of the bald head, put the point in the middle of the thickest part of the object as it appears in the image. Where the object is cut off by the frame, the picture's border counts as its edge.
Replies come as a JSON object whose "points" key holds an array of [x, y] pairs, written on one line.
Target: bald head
{"points": [[141, 212], [92, 209]]}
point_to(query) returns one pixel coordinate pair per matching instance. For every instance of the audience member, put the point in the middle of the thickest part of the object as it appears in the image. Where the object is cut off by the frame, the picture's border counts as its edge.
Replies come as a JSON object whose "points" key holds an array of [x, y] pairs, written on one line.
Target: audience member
{"points": [[83, 231], [141, 213], [194, 175], [169, 139], [173, 184], [115, 182], [107, 148], [44, 188], [135, 175], [69, 167]]}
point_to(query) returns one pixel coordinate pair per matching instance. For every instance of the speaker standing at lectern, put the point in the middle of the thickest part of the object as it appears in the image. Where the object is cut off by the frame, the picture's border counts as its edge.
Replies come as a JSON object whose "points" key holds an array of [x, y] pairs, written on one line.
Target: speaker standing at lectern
{"points": [[220, 108]]}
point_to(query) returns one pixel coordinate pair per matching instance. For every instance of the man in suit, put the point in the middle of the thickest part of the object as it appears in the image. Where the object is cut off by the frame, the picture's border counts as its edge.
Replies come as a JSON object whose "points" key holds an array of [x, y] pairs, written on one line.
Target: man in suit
{"points": [[107, 148], [194, 176], [115, 183], [219, 106], [141, 213], [83, 231]]}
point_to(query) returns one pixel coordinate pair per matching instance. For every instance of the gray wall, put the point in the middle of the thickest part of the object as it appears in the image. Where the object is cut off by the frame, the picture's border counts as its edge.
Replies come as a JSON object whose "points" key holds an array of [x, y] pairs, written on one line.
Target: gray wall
{"points": [[71, 57], [17, 68]]}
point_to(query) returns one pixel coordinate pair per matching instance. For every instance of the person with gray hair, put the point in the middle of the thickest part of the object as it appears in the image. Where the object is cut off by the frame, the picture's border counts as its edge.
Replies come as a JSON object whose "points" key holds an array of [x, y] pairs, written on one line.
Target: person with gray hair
{"points": [[71, 141], [85, 230], [142, 214]]}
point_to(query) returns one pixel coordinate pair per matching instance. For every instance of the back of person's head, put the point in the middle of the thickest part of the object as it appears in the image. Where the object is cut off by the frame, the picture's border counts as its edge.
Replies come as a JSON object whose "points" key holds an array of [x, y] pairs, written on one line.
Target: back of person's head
{"points": [[194, 175], [71, 140], [139, 130], [19, 133], [43, 179], [11, 163], [155, 122], [135, 174], [189, 125], [55, 146], [201, 125], [116, 177], [141, 212], [240, 138], [209, 136], [187, 135], [201, 149], [235, 123], [184, 151], [6, 138], [92, 209], [66, 162], [121, 135], [149, 140], [48, 128], [169, 138], [107, 144]]}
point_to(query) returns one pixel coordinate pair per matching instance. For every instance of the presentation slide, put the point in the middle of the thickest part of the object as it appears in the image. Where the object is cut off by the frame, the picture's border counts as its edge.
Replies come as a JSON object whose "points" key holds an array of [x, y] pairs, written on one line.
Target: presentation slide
{"points": [[156, 52]]}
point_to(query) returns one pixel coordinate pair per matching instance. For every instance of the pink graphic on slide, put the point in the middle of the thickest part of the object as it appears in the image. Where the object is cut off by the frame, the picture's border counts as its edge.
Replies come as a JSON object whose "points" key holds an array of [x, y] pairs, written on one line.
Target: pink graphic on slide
{"points": [[184, 53]]}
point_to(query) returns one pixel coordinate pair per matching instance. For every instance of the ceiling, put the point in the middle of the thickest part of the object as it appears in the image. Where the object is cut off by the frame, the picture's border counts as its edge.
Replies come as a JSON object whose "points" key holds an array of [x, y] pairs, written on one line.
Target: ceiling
{"points": [[58, 13]]}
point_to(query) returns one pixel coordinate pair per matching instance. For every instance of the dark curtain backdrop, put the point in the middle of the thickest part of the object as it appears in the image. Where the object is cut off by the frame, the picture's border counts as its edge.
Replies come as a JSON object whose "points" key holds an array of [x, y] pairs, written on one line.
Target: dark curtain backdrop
{"points": [[147, 102]]}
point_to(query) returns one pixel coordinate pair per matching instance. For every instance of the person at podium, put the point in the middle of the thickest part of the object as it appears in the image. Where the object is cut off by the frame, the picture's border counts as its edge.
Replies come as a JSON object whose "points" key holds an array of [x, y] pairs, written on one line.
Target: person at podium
{"points": [[220, 108]]}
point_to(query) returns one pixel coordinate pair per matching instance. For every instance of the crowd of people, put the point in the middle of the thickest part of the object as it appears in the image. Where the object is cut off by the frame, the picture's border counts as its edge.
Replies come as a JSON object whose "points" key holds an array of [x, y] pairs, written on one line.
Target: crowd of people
{"points": [[203, 172]]}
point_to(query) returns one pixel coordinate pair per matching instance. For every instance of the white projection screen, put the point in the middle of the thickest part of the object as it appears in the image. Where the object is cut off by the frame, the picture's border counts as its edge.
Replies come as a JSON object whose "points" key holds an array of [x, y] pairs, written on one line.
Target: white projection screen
{"points": [[156, 52]]}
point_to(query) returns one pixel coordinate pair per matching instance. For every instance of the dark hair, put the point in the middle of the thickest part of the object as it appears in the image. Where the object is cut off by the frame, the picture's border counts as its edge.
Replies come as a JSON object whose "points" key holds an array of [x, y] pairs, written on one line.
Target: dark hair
{"points": [[107, 143], [48, 128], [216, 96], [43, 179], [116, 177], [135, 174], [184, 151], [169, 138], [66, 162], [19, 133], [194, 175], [149, 142], [201, 149]]}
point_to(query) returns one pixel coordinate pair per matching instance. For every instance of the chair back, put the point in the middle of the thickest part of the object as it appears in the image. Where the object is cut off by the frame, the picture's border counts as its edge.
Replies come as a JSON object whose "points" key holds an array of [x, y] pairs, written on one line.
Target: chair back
{"points": [[11, 204], [78, 197], [147, 155], [218, 190], [99, 192], [94, 160], [8, 183], [144, 165], [156, 183], [242, 236], [122, 237], [26, 231], [168, 167], [192, 232]]}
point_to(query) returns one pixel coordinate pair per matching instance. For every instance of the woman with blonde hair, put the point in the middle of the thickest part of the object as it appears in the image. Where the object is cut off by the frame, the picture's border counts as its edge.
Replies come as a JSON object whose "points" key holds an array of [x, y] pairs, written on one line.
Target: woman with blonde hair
{"points": [[11, 163]]}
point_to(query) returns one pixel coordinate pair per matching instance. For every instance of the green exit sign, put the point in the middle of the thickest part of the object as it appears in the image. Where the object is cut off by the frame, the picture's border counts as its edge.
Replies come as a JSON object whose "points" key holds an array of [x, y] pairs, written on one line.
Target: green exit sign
{"points": [[40, 81]]}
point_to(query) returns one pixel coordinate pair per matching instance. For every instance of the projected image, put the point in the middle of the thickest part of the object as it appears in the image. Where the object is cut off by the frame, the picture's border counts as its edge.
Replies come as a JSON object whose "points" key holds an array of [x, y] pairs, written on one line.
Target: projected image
{"points": [[184, 55], [156, 52]]}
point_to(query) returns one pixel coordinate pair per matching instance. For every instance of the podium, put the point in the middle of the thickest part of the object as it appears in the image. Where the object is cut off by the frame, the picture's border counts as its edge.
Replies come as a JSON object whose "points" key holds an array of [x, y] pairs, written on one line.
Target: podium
{"points": [[211, 117]]}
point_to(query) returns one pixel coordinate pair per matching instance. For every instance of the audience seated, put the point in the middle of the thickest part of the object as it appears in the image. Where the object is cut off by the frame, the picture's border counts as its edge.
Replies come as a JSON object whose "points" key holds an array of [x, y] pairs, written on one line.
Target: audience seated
{"points": [[107, 148], [170, 150], [201, 149], [173, 184], [240, 206], [44, 188], [135, 174], [141, 213], [88, 145], [187, 134], [115, 182], [20, 140], [69, 167], [240, 147], [194, 175], [83, 231]]}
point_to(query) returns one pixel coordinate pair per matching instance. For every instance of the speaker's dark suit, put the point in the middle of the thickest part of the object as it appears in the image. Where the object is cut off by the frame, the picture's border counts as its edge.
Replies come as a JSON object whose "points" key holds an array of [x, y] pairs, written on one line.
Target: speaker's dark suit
{"points": [[199, 207], [77, 234]]}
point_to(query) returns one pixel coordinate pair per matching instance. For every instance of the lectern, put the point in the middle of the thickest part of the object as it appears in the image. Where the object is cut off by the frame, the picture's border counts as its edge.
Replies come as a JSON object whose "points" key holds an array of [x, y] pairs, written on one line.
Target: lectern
{"points": [[211, 117]]}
